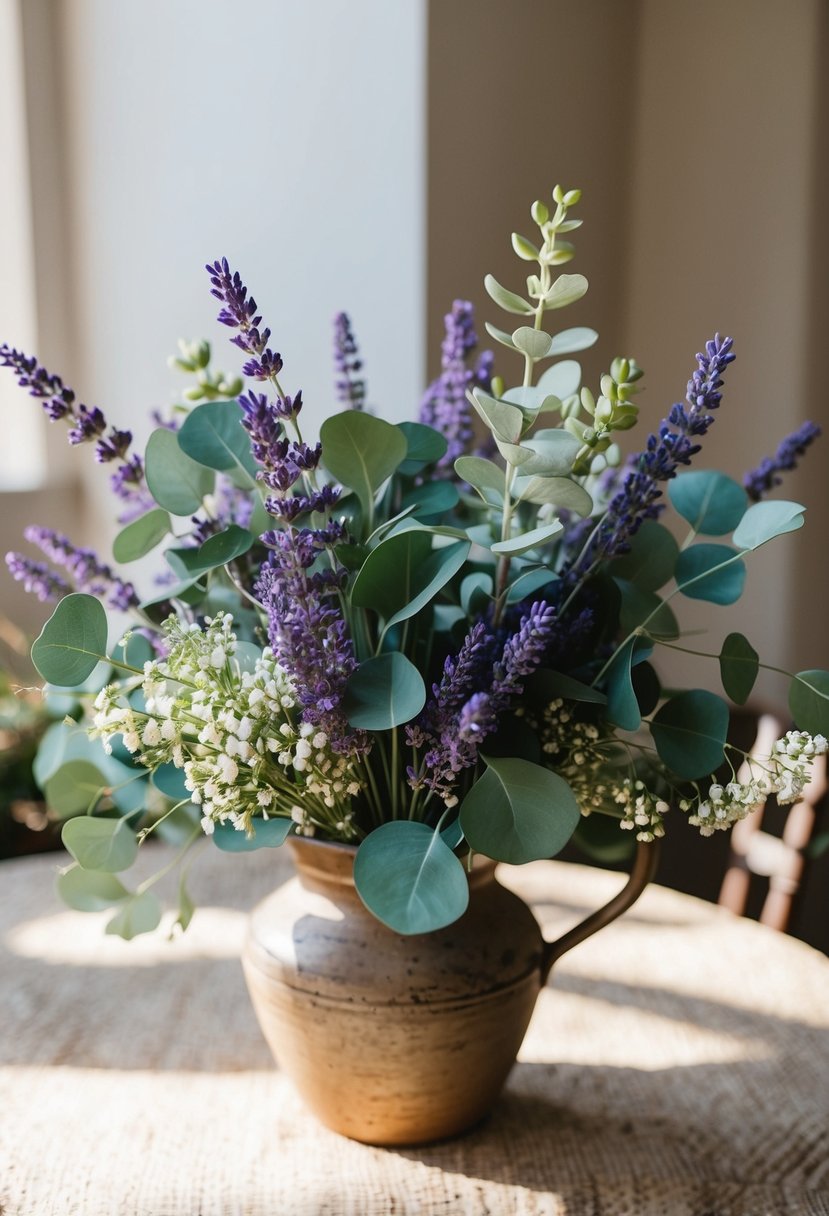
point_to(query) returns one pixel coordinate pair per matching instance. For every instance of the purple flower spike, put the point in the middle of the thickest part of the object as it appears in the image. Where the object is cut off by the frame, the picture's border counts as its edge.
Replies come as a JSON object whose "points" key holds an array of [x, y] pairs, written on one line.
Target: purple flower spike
{"points": [[37, 578], [351, 389], [444, 405], [86, 569], [767, 474]]}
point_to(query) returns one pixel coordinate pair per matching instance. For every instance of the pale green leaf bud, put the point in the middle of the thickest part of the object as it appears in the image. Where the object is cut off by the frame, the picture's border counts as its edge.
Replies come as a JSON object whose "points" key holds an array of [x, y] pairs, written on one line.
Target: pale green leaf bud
{"points": [[571, 406], [608, 386], [613, 455], [193, 394], [604, 411], [588, 400], [619, 370], [571, 198], [498, 386], [201, 353], [524, 248], [575, 427], [540, 212], [534, 288], [558, 194]]}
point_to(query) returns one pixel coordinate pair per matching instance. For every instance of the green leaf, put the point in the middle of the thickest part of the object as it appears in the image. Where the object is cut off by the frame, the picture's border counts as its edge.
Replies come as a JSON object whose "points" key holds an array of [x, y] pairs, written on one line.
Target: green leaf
{"points": [[765, 520], [73, 788], [565, 290], [532, 342], [267, 834], [690, 732], [524, 248], [86, 891], [432, 498], [622, 705], [100, 844], [809, 701], [550, 453], [499, 335], [424, 445], [177, 483], [404, 573], [562, 379], [140, 914], [383, 692], [169, 780], [483, 476], [361, 451], [568, 341], [560, 491], [739, 664], [646, 609], [706, 572], [504, 420], [546, 685], [528, 540], [220, 549], [712, 503], [518, 811], [601, 838], [212, 434], [508, 300], [528, 582], [72, 641], [476, 593], [651, 560], [409, 878], [141, 536], [186, 907]]}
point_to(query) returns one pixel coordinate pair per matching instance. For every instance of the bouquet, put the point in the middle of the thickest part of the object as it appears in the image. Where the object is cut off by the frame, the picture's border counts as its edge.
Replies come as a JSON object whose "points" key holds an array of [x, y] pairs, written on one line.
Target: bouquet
{"points": [[424, 640]]}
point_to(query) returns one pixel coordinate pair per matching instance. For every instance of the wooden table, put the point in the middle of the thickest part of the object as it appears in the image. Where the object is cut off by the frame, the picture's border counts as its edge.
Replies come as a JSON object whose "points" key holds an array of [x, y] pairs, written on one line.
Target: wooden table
{"points": [[678, 1063]]}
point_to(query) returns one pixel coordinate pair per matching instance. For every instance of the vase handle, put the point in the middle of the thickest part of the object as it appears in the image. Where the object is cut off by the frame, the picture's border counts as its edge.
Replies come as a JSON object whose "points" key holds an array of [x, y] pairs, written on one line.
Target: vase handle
{"points": [[643, 871]]}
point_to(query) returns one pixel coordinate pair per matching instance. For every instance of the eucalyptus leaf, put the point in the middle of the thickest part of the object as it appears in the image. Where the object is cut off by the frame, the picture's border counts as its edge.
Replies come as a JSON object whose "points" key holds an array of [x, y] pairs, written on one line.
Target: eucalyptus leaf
{"points": [[362, 452], [528, 582], [384, 692], [518, 811], [169, 780], [87, 891], [476, 593], [405, 572], [186, 907], [142, 535], [651, 560], [690, 732], [222, 548], [483, 476], [739, 664], [499, 335], [431, 498], [213, 435], [409, 878], [139, 914], [178, 483], [712, 503], [266, 834], [645, 609], [765, 520], [74, 787], [809, 701], [562, 379], [424, 446], [622, 704], [100, 844], [72, 642], [504, 420], [568, 341], [528, 540], [601, 839], [532, 342], [546, 685], [508, 300], [559, 491], [566, 289], [707, 572]]}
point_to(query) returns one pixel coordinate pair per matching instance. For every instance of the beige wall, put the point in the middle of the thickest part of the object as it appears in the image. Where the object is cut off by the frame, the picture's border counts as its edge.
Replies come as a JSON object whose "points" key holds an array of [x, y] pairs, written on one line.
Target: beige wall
{"points": [[698, 133]]}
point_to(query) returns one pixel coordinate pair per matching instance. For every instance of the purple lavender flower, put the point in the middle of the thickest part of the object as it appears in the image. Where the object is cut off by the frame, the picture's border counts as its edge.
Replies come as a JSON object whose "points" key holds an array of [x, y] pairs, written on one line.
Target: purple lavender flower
{"points": [[89, 573], [351, 389], [767, 474], [85, 424], [665, 451], [37, 577], [472, 695], [444, 405]]}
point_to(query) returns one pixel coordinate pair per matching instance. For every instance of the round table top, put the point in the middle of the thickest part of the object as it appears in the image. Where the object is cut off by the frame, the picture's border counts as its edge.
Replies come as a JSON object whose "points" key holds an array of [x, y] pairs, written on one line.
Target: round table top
{"points": [[677, 1063]]}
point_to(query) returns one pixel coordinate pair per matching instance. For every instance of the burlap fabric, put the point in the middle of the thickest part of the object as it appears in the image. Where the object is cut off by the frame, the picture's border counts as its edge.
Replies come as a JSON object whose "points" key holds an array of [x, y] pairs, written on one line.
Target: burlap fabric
{"points": [[678, 1063]]}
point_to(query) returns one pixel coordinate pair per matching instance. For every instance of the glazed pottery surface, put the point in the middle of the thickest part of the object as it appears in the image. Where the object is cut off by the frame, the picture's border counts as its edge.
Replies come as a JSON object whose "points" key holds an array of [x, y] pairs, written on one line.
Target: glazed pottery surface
{"points": [[392, 1039]]}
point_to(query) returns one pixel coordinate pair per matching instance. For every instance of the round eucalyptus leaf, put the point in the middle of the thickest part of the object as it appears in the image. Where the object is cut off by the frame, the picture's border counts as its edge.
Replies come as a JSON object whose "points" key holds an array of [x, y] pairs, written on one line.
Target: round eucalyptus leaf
{"points": [[566, 289], [528, 540], [562, 379], [409, 878], [404, 573], [100, 844], [533, 342], [765, 520], [518, 811], [267, 834], [568, 341], [72, 642], [212, 434], [483, 476], [476, 593], [504, 420], [86, 891], [690, 732], [74, 787], [141, 535], [622, 704], [432, 498], [712, 503], [361, 452], [384, 692], [424, 445], [176, 482], [169, 781], [708, 572], [222, 548], [645, 609], [528, 582], [651, 560], [139, 914], [739, 664], [809, 701], [508, 300]]}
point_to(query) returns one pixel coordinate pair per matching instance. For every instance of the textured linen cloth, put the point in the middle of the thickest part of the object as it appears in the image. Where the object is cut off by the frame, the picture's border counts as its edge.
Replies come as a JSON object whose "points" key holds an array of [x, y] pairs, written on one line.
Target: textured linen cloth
{"points": [[677, 1063]]}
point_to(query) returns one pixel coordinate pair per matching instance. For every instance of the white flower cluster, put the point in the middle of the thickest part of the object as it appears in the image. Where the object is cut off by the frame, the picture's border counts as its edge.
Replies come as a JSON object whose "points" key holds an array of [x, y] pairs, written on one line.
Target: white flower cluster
{"points": [[643, 810], [235, 732], [785, 774]]}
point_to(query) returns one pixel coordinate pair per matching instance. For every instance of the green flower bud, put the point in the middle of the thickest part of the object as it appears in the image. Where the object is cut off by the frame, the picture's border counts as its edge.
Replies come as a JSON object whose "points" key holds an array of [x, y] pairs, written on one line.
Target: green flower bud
{"points": [[558, 194], [498, 386], [619, 370], [604, 411], [608, 386], [201, 355], [588, 400], [571, 198]]}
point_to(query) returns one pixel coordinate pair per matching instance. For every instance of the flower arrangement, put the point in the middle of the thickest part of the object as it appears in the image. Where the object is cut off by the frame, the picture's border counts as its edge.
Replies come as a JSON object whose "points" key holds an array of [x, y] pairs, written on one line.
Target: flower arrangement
{"points": [[427, 639]]}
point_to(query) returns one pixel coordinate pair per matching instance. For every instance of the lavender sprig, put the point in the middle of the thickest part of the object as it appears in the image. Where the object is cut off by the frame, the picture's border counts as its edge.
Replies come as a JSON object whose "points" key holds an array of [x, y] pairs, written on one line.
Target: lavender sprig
{"points": [[444, 406], [767, 474], [351, 388], [88, 572], [673, 445], [85, 424], [37, 577]]}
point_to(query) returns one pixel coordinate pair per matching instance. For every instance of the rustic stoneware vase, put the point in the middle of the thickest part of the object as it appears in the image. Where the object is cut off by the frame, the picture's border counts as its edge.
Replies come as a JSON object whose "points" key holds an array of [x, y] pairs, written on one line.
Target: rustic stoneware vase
{"points": [[391, 1039]]}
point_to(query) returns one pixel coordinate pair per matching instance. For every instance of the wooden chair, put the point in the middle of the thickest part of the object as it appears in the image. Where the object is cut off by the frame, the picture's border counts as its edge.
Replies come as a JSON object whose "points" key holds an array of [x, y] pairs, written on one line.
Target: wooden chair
{"points": [[780, 859]]}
